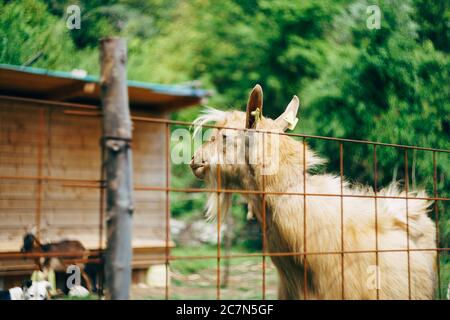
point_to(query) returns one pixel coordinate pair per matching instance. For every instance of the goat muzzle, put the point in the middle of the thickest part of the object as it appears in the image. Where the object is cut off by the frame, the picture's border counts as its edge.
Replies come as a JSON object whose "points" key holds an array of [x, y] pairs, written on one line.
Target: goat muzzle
{"points": [[198, 168]]}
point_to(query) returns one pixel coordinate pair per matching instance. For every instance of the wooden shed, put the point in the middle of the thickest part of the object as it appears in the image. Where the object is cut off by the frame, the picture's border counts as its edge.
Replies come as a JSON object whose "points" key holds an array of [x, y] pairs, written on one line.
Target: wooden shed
{"points": [[50, 163]]}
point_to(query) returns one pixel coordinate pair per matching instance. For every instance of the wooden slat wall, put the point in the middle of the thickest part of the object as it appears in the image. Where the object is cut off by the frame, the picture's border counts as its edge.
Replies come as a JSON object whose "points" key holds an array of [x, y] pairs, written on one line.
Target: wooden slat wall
{"points": [[70, 150]]}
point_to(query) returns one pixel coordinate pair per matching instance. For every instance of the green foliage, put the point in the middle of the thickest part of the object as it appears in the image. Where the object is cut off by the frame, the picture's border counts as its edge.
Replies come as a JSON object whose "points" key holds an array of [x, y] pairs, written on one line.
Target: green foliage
{"points": [[26, 29], [433, 21]]}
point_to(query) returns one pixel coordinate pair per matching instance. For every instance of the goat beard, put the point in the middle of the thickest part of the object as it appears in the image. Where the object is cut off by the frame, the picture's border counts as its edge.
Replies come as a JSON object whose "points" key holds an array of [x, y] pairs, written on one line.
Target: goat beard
{"points": [[218, 203]]}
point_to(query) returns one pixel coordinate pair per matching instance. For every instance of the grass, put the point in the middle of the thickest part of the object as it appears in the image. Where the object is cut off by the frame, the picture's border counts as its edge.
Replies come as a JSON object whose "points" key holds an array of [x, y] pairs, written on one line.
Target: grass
{"points": [[444, 277], [197, 278], [89, 297], [190, 266]]}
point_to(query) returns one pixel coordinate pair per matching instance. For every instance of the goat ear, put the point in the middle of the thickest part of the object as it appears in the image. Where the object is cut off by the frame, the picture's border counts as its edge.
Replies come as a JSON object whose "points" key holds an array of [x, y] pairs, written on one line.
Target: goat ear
{"points": [[255, 101], [288, 119]]}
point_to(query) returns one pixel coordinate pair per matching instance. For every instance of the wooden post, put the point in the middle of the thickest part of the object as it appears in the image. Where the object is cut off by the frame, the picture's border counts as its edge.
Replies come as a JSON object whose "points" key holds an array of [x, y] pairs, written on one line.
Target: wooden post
{"points": [[118, 165]]}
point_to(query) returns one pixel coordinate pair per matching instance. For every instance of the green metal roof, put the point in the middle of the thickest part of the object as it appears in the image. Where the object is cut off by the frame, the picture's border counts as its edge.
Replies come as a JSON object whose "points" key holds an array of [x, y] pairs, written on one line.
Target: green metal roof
{"points": [[70, 86], [180, 90]]}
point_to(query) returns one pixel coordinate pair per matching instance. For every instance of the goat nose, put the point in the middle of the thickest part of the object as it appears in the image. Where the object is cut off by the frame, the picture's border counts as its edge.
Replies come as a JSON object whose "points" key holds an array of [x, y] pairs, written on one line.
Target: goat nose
{"points": [[196, 164]]}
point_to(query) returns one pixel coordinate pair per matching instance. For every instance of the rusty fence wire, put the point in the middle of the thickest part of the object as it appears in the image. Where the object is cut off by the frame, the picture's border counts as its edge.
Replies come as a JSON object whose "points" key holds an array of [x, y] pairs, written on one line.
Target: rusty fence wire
{"points": [[95, 256]]}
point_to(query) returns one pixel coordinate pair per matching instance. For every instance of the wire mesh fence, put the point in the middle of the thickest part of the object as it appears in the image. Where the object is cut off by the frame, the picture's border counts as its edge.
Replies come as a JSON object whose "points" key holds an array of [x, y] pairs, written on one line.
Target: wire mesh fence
{"points": [[36, 172]]}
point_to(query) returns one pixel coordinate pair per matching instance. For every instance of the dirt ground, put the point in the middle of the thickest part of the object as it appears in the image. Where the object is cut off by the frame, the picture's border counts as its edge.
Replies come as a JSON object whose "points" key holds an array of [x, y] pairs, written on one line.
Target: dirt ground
{"points": [[244, 282]]}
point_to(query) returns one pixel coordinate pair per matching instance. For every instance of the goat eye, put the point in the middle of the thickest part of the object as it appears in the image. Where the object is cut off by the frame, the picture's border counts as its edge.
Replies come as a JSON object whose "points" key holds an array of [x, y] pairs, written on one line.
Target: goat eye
{"points": [[213, 138]]}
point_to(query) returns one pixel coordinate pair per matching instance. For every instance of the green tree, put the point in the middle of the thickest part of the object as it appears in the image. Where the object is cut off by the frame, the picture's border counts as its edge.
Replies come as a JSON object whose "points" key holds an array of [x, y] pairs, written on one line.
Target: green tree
{"points": [[28, 30]]}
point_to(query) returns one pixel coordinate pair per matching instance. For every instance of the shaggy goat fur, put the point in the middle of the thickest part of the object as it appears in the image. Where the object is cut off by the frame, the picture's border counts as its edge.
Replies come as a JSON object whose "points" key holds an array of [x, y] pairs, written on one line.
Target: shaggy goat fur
{"points": [[285, 223]]}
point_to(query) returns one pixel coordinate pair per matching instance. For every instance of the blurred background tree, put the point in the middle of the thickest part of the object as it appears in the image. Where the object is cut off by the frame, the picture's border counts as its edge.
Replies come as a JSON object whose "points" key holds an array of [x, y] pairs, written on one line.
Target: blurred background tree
{"points": [[389, 84]]}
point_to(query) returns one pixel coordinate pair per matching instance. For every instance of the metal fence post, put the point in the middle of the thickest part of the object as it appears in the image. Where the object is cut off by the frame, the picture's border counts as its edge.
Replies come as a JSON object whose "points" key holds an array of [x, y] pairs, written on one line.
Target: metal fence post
{"points": [[118, 165]]}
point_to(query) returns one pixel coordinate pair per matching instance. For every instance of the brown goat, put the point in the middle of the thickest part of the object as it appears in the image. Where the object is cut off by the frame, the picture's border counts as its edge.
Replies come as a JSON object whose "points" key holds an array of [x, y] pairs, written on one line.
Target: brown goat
{"points": [[76, 249]]}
